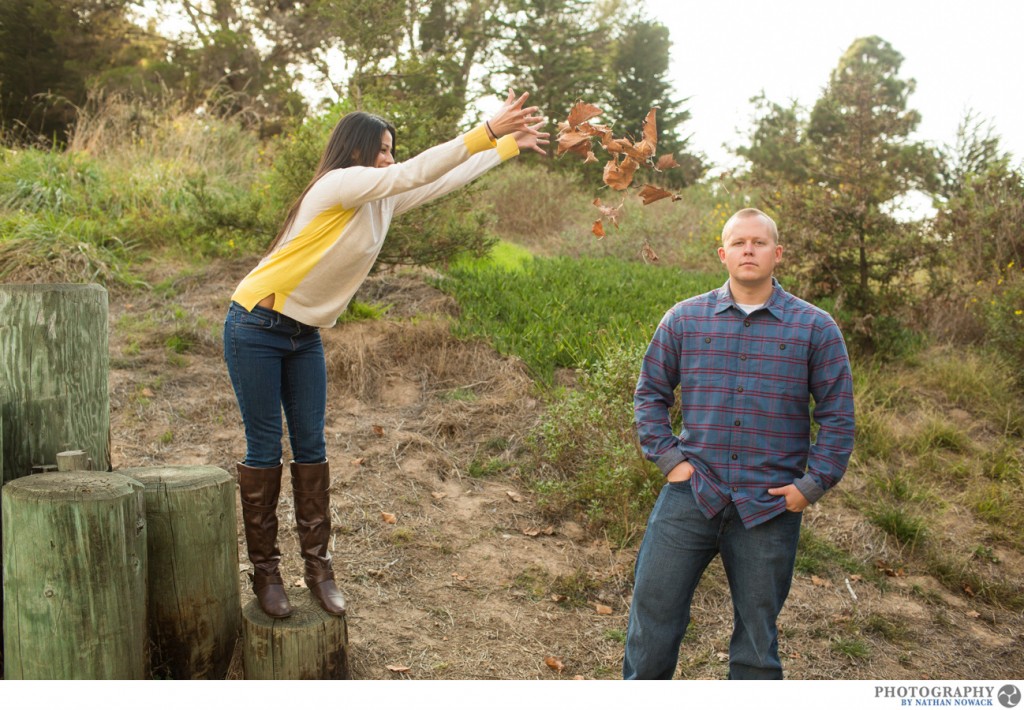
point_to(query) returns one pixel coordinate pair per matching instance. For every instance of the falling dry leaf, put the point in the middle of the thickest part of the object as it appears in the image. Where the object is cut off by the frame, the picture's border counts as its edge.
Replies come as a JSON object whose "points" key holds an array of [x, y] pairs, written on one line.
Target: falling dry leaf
{"points": [[598, 229], [378, 430], [554, 664], [652, 193], [602, 609], [619, 176], [399, 669], [388, 518], [648, 254], [570, 141], [582, 112], [612, 213], [819, 582], [666, 162], [438, 496], [514, 496], [591, 158]]}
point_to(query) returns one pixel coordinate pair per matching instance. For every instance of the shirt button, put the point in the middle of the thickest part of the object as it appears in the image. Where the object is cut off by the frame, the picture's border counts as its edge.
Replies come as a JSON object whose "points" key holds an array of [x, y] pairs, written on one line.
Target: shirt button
{"points": [[746, 324], [707, 340], [736, 423], [734, 457], [735, 489], [782, 346], [739, 389], [743, 357]]}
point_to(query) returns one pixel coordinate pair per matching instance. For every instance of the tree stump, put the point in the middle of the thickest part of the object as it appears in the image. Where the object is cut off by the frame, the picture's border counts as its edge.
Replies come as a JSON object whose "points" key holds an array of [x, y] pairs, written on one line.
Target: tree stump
{"points": [[308, 645], [73, 461], [74, 568], [192, 541], [53, 383]]}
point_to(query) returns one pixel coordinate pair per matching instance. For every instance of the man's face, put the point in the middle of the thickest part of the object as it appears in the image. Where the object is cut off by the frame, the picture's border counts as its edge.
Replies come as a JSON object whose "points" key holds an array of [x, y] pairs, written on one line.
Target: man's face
{"points": [[749, 252]]}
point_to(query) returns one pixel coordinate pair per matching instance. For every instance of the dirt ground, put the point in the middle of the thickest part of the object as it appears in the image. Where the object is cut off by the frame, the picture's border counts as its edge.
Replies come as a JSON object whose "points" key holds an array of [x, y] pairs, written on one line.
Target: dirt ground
{"points": [[470, 581]]}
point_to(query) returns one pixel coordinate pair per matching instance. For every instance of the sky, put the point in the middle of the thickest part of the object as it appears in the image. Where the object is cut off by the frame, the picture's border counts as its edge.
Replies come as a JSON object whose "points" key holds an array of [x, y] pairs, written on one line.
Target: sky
{"points": [[961, 54]]}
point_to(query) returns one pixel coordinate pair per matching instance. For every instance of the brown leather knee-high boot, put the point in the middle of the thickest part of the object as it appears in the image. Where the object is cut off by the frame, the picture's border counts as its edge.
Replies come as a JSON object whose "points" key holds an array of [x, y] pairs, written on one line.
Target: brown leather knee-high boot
{"points": [[311, 483], [260, 488]]}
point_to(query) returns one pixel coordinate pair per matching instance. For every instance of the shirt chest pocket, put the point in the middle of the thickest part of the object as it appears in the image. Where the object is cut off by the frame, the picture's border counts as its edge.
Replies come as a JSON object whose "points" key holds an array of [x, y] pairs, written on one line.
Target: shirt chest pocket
{"points": [[707, 361], [783, 366]]}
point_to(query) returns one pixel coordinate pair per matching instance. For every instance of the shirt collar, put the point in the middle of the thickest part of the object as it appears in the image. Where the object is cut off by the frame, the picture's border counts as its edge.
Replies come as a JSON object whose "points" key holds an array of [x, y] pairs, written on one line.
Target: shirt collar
{"points": [[775, 304]]}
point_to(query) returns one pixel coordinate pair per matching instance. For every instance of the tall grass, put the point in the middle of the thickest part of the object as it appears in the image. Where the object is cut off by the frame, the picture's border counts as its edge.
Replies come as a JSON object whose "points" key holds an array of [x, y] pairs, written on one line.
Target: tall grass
{"points": [[134, 177]]}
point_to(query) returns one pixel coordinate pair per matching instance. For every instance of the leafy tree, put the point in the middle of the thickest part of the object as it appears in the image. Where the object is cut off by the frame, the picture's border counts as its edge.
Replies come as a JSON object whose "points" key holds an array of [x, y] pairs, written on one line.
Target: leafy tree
{"points": [[834, 180], [52, 52], [637, 76]]}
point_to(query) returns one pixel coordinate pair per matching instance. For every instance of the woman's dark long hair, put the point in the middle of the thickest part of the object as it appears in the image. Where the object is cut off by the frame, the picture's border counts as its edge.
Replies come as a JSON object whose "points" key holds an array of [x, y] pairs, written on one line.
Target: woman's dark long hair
{"points": [[354, 141]]}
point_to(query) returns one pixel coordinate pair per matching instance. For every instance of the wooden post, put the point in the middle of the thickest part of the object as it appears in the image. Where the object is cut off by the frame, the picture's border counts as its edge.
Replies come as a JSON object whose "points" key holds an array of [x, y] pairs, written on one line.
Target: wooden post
{"points": [[308, 645], [74, 567], [53, 382], [192, 539], [73, 461]]}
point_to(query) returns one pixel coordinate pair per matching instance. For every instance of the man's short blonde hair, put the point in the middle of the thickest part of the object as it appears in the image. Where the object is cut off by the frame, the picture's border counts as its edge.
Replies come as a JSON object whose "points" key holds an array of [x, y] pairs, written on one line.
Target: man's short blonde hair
{"points": [[750, 212]]}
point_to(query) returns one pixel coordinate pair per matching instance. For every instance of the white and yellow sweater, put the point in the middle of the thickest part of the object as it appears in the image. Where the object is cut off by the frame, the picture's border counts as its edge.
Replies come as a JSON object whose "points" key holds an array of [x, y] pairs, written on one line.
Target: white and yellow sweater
{"points": [[340, 227]]}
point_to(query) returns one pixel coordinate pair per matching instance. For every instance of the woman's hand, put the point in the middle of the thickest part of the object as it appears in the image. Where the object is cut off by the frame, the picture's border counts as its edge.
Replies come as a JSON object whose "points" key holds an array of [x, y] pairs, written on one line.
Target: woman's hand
{"points": [[512, 117], [531, 139]]}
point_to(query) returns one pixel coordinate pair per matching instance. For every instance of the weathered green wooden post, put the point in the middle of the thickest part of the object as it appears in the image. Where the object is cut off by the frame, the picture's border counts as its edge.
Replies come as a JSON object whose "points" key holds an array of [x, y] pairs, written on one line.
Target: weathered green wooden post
{"points": [[192, 538], [53, 375], [308, 645], [74, 570]]}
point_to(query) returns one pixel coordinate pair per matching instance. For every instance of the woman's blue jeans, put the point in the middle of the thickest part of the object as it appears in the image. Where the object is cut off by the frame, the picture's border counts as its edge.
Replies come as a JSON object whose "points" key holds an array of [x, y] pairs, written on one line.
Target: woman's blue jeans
{"points": [[678, 546], [274, 362]]}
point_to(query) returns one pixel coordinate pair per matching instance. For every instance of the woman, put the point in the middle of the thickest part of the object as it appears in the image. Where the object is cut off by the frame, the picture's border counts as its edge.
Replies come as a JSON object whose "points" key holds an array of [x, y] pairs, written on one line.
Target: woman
{"points": [[272, 346]]}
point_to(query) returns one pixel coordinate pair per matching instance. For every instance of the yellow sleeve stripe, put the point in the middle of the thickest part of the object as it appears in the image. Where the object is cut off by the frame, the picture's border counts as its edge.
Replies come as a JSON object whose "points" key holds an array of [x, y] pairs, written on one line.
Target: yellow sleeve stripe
{"points": [[286, 268], [507, 147], [477, 140]]}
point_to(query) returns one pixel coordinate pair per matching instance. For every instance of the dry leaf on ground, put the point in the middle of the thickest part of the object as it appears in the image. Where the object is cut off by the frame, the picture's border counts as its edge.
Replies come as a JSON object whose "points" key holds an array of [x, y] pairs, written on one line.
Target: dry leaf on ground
{"points": [[514, 496], [388, 518], [602, 609], [554, 663]]}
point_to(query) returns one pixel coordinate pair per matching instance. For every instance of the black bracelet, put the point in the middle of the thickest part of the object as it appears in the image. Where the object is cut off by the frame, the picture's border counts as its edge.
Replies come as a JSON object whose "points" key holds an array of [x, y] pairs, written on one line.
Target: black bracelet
{"points": [[490, 131]]}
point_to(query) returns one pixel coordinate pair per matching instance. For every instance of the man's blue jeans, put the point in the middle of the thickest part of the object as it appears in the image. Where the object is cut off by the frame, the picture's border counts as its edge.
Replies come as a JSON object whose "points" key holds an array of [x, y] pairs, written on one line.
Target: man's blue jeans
{"points": [[276, 361], [677, 547]]}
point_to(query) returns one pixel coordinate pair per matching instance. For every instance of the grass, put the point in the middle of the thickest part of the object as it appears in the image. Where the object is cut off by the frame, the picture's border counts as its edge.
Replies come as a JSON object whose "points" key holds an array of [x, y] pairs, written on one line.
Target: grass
{"points": [[564, 313]]}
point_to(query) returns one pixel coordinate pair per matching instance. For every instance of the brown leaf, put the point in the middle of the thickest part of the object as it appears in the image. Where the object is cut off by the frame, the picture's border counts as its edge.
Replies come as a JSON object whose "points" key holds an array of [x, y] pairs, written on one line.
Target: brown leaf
{"points": [[438, 496], [618, 176], [648, 254], [666, 162], [652, 193], [602, 609], [650, 129], [591, 158], [573, 141], [554, 663], [614, 145], [399, 669], [378, 430], [388, 518], [582, 112], [612, 213], [578, 677], [514, 496], [549, 530], [299, 582], [723, 657], [146, 392], [819, 582], [531, 532], [459, 577], [559, 598], [856, 577], [598, 229], [973, 614], [359, 461], [969, 591]]}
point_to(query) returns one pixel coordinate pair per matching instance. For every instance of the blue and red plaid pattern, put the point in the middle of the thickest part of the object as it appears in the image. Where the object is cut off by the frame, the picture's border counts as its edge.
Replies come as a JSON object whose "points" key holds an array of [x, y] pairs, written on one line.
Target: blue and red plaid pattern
{"points": [[745, 383]]}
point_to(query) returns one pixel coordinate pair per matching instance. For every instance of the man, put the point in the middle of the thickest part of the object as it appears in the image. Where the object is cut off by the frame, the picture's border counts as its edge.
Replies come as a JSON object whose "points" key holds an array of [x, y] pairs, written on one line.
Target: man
{"points": [[747, 357]]}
